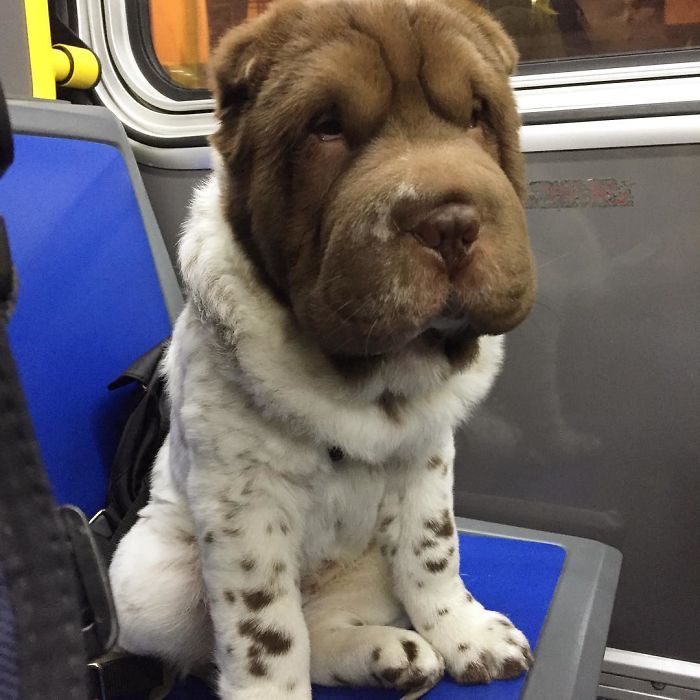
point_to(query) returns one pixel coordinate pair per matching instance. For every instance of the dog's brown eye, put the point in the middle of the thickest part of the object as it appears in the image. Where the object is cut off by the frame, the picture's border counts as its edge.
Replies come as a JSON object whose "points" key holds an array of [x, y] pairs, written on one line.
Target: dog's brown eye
{"points": [[328, 129]]}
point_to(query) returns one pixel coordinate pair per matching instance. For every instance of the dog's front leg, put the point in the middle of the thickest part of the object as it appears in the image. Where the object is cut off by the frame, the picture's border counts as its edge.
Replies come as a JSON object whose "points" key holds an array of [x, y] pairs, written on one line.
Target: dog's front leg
{"points": [[249, 531], [478, 644]]}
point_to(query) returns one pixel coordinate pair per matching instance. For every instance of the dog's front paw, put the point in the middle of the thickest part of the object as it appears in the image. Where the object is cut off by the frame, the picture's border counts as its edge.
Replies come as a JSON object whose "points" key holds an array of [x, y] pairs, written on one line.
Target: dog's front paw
{"points": [[407, 662], [483, 647]]}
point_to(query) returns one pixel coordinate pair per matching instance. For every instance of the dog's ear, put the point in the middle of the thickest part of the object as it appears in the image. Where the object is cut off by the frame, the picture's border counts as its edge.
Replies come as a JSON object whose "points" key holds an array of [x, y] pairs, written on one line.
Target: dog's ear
{"points": [[238, 68], [503, 47]]}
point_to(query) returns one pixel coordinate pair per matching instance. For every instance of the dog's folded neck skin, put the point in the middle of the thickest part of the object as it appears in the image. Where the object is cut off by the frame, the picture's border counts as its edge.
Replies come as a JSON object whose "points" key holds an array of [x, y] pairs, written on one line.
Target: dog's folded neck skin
{"points": [[286, 374]]}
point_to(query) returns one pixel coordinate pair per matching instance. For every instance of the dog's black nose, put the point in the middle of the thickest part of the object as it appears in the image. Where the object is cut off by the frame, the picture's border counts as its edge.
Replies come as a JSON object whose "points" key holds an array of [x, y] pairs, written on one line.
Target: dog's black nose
{"points": [[450, 229]]}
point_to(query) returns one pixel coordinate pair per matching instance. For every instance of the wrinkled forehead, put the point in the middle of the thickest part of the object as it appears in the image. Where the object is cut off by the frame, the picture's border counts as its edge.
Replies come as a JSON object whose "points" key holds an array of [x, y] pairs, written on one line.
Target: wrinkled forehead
{"points": [[405, 31], [368, 48]]}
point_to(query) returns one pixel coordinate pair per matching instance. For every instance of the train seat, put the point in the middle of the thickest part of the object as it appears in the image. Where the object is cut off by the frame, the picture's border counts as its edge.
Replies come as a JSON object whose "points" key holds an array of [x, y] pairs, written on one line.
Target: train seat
{"points": [[97, 289]]}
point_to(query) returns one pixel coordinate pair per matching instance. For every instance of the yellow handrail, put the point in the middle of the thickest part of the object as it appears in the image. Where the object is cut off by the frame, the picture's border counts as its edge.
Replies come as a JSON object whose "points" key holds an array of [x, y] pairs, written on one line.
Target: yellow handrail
{"points": [[69, 66]]}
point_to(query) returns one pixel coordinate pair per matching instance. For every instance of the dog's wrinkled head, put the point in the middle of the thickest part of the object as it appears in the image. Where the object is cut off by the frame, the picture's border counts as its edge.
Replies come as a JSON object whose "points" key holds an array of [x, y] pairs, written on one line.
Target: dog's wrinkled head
{"points": [[373, 171]]}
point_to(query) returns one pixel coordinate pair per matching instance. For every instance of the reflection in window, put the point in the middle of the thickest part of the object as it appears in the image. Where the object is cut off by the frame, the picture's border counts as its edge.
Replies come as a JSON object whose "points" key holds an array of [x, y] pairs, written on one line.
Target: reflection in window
{"points": [[183, 31], [553, 29]]}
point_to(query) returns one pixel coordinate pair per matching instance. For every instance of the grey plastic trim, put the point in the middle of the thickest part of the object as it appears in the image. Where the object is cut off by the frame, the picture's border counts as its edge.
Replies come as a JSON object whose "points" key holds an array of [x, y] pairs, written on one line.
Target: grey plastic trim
{"points": [[669, 69], [197, 158], [570, 650], [617, 97], [97, 124], [652, 668], [611, 133]]}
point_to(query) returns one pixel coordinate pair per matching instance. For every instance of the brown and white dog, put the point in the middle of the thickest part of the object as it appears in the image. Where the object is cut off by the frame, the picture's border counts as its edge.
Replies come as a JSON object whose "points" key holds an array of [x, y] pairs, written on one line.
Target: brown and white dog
{"points": [[350, 267]]}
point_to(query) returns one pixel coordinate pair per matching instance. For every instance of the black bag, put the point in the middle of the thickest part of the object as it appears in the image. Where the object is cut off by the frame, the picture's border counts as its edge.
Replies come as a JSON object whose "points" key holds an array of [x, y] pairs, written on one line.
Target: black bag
{"points": [[142, 436]]}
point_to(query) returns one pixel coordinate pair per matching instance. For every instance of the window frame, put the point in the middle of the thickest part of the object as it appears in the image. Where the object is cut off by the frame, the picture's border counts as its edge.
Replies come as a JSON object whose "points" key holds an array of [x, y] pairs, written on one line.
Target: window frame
{"points": [[591, 90], [138, 26]]}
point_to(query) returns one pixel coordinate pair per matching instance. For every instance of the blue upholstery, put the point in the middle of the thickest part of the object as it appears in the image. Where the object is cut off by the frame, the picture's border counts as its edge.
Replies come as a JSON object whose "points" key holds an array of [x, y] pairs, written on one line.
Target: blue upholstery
{"points": [[516, 577], [89, 302]]}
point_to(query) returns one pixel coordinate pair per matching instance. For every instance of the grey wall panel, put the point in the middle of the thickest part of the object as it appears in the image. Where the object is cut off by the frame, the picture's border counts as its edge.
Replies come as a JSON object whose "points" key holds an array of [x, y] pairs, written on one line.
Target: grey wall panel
{"points": [[170, 192], [15, 74], [594, 427]]}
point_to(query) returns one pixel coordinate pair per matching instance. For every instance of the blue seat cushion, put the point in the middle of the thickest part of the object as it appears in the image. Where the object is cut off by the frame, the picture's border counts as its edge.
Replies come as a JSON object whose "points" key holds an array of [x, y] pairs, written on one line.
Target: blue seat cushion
{"points": [[89, 301]]}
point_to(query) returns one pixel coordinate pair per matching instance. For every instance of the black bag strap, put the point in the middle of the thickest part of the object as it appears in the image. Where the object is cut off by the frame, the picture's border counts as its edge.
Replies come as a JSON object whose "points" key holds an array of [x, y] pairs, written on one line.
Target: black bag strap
{"points": [[141, 438]]}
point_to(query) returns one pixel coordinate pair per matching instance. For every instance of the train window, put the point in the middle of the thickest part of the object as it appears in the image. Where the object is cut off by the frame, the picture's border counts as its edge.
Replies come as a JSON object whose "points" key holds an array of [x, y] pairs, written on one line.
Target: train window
{"points": [[557, 29], [183, 32], [582, 60]]}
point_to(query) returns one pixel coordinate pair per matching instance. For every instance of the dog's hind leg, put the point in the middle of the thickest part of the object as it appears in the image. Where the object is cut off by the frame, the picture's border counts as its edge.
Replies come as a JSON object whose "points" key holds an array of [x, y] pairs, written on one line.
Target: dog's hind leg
{"points": [[352, 640], [158, 591]]}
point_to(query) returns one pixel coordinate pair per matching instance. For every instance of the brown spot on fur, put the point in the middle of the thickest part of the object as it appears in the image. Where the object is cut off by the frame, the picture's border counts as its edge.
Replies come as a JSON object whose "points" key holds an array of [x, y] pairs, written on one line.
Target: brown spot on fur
{"points": [[392, 405], [274, 641], [209, 537], [435, 463], [268, 529], [442, 527], [279, 567], [436, 566], [247, 564], [257, 600], [229, 649], [376, 653], [410, 649], [442, 611], [338, 680], [415, 680], [231, 531], [393, 551], [470, 597], [463, 647], [186, 538], [474, 672], [230, 596], [391, 675], [512, 668], [257, 668], [291, 686], [384, 525], [284, 528]]}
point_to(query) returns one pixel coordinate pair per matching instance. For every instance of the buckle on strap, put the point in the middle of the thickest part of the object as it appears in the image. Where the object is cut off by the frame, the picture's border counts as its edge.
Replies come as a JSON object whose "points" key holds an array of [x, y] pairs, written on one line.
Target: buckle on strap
{"points": [[99, 617]]}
